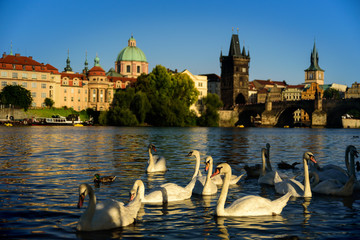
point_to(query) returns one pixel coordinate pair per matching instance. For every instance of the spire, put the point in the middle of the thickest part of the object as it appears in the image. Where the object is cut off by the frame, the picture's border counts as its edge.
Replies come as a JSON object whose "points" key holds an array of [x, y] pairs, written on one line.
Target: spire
{"points": [[235, 46], [86, 69], [314, 60], [11, 52], [97, 61], [68, 68]]}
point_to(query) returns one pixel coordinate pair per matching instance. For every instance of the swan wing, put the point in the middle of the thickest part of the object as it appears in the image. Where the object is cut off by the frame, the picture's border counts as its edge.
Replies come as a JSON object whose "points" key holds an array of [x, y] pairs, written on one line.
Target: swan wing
{"points": [[290, 185], [250, 206], [175, 192]]}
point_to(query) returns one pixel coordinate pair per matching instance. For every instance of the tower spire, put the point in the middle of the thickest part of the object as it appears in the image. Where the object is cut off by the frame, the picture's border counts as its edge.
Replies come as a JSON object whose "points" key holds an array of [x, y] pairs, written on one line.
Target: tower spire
{"points": [[68, 68], [11, 52]]}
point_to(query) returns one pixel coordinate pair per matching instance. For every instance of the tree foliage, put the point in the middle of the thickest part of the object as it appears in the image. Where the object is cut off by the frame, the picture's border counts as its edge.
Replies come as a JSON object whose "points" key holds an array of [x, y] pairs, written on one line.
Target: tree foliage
{"points": [[49, 102], [331, 93], [210, 116], [16, 95]]}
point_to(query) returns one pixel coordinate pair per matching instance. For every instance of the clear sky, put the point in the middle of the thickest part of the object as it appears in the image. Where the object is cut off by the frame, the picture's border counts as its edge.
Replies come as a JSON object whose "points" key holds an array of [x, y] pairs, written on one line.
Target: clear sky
{"points": [[190, 34]]}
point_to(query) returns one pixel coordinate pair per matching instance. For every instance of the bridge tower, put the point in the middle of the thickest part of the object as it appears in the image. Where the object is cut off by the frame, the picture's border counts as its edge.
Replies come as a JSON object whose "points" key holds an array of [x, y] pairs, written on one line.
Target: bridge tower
{"points": [[314, 74], [235, 75]]}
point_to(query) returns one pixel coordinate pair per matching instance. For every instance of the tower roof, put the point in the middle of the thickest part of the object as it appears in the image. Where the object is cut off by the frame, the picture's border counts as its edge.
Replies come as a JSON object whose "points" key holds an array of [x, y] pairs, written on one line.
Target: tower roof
{"points": [[131, 52], [314, 61]]}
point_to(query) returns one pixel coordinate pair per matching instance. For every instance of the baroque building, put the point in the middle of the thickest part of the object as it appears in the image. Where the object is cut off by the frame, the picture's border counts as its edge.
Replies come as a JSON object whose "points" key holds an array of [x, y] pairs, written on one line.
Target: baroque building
{"points": [[234, 75]]}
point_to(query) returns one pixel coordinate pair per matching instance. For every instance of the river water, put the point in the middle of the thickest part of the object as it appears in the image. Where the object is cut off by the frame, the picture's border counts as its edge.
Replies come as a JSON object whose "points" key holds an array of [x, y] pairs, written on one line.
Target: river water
{"points": [[42, 167]]}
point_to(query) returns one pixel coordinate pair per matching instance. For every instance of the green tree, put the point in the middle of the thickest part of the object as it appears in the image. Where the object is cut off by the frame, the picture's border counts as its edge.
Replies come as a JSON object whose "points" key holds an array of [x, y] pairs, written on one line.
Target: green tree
{"points": [[140, 106], [210, 117], [331, 93], [17, 96], [170, 96], [49, 102]]}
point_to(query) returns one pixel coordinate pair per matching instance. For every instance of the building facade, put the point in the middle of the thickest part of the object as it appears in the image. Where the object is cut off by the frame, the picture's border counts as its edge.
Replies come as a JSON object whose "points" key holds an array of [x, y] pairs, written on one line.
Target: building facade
{"points": [[353, 91]]}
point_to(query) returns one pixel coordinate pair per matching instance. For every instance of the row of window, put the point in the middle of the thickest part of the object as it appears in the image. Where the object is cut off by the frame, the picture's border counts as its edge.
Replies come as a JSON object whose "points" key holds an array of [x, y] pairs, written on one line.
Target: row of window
{"points": [[23, 75], [23, 84]]}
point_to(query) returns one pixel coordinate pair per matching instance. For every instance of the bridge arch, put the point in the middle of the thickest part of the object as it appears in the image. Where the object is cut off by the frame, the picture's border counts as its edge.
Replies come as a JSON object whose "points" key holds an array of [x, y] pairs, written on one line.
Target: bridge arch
{"points": [[240, 99], [286, 117]]}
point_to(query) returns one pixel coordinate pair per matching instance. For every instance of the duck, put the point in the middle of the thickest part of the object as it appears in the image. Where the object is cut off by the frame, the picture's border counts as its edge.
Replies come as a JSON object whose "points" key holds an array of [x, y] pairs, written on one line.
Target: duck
{"points": [[104, 179], [250, 205], [206, 186], [295, 187], [332, 186], [284, 165], [105, 215], [256, 170], [155, 163], [168, 192]]}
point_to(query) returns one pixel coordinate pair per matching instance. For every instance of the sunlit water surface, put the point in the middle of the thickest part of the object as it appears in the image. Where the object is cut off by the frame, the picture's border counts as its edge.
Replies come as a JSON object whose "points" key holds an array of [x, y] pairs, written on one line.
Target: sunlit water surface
{"points": [[42, 167]]}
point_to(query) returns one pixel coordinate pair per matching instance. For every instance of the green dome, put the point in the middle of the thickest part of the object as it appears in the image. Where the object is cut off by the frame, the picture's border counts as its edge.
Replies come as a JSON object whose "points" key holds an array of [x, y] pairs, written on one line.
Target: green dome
{"points": [[131, 53]]}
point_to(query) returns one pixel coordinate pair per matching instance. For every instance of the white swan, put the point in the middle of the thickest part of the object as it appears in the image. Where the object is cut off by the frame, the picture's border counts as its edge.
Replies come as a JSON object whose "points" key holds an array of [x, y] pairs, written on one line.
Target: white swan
{"points": [[248, 205], [332, 171], [266, 177], [295, 187], [168, 192], [218, 179], [332, 186], [105, 215], [155, 163], [206, 187]]}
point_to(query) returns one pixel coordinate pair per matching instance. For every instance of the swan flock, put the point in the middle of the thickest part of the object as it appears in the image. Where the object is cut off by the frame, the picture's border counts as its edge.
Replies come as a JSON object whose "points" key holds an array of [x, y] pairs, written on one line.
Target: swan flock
{"points": [[328, 180]]}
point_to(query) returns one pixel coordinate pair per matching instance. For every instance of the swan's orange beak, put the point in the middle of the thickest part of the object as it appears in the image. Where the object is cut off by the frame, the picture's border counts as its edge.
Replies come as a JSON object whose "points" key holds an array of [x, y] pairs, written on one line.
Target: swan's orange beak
{"points": [[81, 201], [207, 166], [217, 171], [312, 158], [154, 148], [132, 196]]}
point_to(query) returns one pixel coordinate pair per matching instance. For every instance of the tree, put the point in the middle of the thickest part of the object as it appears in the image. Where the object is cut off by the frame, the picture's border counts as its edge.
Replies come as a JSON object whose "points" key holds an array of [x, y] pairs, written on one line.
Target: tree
{"points": [[49, 102], [210, 117], [17, 96], [331, 93]]}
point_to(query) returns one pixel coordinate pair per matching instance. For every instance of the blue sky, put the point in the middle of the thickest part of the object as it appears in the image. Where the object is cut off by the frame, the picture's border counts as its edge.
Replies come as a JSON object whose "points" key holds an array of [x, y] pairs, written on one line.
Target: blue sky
{"points": [[190, 34]]}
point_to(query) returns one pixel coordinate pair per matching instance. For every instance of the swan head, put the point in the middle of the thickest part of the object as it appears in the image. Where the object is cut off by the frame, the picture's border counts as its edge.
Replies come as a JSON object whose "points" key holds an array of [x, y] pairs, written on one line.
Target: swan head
{"points": [[137, 188], [208, 162], [152, 147], [309, 156], [267, 145], [83, 191], [193, 153], [353, 151], [221, 169]]}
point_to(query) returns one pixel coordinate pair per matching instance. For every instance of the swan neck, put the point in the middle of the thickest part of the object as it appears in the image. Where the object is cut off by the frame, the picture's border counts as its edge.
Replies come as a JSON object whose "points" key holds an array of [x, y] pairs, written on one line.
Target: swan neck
{"points": [[352, 165], [307, 188], [268, 163], [263, 158], [140, 189], [347, 164], [88, 215], [220, 207], [197, 165]]}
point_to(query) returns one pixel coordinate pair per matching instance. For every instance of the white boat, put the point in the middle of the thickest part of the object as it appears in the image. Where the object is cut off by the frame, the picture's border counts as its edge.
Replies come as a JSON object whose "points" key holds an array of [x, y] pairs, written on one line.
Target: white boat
{"points": [[349, 122], [59, 121]]}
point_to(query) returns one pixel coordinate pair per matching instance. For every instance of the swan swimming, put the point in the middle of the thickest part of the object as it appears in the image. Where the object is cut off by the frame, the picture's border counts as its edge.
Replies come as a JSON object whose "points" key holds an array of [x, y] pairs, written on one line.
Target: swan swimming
{"points": [[107, 214], [207, 187], [155, 163], [249, 205]]}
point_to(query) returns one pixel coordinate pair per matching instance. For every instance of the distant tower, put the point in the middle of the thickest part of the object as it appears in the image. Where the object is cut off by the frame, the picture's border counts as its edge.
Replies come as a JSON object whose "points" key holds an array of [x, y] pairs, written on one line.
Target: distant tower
{"points": [[86, 69], [314, 74], [234, 75], [68, 68]]}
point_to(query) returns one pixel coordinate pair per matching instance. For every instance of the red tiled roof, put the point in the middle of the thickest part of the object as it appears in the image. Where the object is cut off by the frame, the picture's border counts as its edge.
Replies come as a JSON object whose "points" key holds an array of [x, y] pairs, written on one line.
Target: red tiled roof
{"points": [[73, 75], [96, 71], [270, 82], [18, 62]]}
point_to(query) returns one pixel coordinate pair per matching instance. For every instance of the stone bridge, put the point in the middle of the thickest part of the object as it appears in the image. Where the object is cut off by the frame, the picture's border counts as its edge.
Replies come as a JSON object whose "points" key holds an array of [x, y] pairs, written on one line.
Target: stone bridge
{"points": [[323, 113]]}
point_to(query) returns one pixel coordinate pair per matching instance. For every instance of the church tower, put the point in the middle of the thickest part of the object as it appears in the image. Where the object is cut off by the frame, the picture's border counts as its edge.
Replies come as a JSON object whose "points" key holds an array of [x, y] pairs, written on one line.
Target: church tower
{"points": [[235, 75], [314, 74]]}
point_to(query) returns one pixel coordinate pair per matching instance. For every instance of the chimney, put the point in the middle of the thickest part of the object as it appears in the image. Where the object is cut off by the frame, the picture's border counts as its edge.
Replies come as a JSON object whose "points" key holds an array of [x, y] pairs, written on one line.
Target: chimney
{"points": [[17, 54], [30, 57]]}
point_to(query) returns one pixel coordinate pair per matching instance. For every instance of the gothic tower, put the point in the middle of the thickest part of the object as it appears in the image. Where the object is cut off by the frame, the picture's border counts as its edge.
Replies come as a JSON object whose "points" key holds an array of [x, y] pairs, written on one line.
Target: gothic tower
{"points": [[234, 75], [314, 74]]}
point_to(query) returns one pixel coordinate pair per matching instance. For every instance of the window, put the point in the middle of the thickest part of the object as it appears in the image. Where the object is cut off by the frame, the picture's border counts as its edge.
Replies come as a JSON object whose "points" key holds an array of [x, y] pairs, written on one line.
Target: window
{"points": [[33, 104], [72, 99], [24, 84], [43, 85], [33, 76], [43, 76], [85, 99], [200, 84], [65, 99], [94, 99], [24, 76], [33, 85], [138, 69], [319, 75], [3, 83], [43, 95], [4, 74], [79, 99], [79, 91], [72, 90], [243, 70], [128, 68], [14, 75], [64, 90], [33, 94], [85, 91]]}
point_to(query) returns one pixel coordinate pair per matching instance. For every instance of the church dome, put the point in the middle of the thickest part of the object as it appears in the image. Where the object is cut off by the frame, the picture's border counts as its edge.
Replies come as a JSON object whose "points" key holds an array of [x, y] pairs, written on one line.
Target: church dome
{"points": [[131, 53]]}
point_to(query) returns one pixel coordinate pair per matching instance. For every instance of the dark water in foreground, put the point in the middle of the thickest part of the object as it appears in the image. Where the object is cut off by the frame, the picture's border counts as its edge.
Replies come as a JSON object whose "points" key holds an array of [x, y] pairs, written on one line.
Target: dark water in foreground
{"points": [[42, 167]]}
